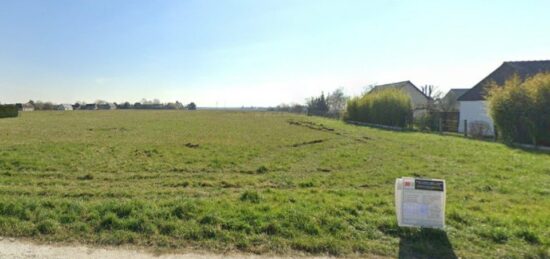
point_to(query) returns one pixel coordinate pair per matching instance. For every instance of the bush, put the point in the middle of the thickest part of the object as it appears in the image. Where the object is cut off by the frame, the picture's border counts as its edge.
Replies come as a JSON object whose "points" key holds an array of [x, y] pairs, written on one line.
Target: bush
{"points": [[479, 129], [191, 106], [391, 107], [8, 111], [521, 110], [426, 122]]}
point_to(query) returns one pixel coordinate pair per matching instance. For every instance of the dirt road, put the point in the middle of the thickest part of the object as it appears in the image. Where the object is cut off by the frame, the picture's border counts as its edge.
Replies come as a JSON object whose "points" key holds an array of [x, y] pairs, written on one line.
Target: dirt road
{"points": [[17, 249]]}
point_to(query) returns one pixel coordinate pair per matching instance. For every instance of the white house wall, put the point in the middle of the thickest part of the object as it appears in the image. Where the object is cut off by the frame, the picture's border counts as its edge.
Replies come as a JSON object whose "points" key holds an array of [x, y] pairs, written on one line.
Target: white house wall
{"points": [[474, 111], [418, 100]]}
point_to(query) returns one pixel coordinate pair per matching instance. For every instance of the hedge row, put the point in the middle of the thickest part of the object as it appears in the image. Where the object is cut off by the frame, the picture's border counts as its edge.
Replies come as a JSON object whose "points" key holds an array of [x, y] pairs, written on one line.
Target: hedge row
{"points": [[390, 107], [7, 111], [521, 109]]}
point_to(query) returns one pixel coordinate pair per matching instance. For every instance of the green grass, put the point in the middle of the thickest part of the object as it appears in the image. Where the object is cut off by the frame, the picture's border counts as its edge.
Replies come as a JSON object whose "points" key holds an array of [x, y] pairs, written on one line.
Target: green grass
{"points": [[261, 183]]}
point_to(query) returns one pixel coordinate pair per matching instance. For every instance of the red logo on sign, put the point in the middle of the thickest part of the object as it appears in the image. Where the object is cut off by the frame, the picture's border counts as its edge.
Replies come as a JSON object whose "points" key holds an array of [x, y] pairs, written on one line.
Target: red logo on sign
{"points": [[407, 184]]}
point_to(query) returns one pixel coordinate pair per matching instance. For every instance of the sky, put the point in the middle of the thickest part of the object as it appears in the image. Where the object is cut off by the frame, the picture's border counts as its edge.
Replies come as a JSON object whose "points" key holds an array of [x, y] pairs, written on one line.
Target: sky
{"points": [[255, 52]]}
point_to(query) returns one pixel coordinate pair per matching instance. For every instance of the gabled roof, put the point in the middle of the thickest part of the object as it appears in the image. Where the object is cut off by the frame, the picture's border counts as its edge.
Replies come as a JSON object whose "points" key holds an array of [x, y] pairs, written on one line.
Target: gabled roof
{"points": [[523, 69], [399, 85], [457, 92]]}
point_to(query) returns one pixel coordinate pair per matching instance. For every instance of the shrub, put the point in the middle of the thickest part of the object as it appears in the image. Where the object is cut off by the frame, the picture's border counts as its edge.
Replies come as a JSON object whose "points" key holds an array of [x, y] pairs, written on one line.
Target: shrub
{"points": [[426, 122], [521, 110], [191, 106], [8, 111], [352, 110], [391, 107], [479, 129]]}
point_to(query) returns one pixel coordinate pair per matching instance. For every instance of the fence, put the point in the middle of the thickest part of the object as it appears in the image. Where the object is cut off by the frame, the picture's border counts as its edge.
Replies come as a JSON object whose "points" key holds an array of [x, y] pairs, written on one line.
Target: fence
{"points": [[438, 122], [444, 122]]}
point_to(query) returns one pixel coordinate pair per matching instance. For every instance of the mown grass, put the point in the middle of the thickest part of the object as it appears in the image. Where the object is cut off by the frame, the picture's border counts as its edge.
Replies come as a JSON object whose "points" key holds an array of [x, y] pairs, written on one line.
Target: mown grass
{"points": [[261, 183]]}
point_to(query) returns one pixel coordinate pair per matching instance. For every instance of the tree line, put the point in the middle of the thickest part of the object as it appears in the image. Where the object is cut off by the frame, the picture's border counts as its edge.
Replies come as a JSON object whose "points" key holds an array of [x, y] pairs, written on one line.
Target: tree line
{"points": [[389, 107], [143, 104], [332, 105]]}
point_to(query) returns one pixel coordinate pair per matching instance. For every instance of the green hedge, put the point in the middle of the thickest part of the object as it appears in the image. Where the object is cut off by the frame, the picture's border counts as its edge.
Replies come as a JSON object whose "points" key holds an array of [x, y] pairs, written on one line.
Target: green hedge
{"points": [[7, 111], [521, 109], [391, 107]]}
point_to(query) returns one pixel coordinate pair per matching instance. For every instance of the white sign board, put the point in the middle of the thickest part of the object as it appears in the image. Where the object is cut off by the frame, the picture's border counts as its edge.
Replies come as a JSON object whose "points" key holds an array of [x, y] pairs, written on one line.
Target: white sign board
{"points": [[420, 202]]}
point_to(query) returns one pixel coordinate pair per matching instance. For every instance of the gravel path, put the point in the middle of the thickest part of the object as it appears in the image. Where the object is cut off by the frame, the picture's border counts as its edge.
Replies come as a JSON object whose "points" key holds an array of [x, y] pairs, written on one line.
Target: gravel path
{"points": [[17, 249]]}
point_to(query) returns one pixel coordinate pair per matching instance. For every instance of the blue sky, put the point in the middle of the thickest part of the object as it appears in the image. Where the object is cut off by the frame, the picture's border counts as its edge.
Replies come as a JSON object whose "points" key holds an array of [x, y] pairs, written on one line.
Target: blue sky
{"points": [[250, 52]]}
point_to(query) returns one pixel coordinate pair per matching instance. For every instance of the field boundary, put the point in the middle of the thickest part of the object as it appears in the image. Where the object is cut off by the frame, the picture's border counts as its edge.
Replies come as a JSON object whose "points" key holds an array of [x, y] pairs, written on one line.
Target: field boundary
{"points": [[394, 128]]}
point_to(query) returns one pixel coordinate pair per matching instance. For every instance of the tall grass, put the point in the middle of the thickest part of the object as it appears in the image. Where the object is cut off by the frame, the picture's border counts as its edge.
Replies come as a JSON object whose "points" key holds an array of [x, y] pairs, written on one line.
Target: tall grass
{"points": [[391, 107], [521, 109]]}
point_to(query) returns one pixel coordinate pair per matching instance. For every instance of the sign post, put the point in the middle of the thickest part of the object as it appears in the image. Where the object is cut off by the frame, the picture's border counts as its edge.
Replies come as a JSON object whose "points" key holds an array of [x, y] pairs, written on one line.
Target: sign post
{"points": [[420, 202]]}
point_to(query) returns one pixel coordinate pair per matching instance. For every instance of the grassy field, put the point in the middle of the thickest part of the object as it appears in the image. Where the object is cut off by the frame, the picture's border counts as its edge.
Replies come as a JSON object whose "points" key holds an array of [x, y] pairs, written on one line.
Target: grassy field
{"points": [[261, 183]]}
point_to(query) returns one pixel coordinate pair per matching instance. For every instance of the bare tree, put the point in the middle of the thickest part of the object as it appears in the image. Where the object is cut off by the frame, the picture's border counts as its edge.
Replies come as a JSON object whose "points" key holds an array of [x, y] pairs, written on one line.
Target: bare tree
{"points": [[435, 96], [336, 102], [431, 91]]}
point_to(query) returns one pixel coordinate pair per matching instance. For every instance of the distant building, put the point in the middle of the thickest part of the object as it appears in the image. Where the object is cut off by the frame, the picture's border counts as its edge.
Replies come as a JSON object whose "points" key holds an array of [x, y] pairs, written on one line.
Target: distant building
{"points": [[91, 106], [76, 106], [27, 107], [64, 107], [106, 106], [419, 100], [473, 104]]}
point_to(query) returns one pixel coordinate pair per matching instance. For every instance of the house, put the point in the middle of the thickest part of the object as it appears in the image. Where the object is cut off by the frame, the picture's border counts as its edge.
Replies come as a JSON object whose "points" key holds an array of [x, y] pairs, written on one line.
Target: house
{"points": [[27, 107], [419, 100], [64, 107], [91, 106], [450, 100], [473, 104], [106, 106]]}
